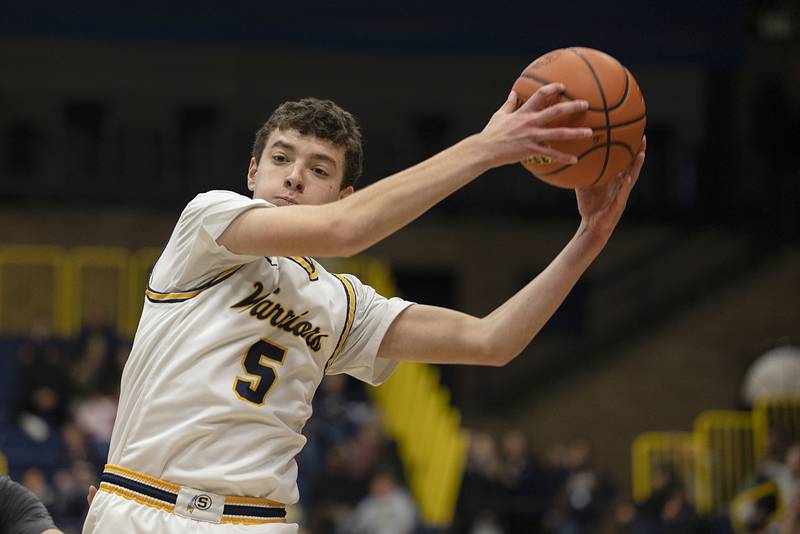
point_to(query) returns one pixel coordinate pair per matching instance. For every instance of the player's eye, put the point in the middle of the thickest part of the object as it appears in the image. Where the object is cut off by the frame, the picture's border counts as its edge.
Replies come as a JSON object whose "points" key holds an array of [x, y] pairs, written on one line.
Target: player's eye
{"points": [[320, 171], [279, 158]]}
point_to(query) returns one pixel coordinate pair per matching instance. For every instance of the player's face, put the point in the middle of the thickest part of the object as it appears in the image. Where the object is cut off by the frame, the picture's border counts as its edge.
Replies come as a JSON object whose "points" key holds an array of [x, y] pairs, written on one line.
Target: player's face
{"points": [[298, 169]]}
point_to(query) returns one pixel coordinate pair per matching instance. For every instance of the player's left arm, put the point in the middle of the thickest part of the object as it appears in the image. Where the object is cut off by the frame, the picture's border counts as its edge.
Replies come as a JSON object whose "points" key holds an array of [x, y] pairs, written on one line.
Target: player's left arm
{"points": [[440, 335]]}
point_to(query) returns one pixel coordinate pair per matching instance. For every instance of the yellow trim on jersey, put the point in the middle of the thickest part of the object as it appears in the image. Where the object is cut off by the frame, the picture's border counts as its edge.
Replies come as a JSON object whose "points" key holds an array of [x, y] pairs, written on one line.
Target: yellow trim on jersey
{"points": [[250, 520], [136, 497], [180, 296], [307, 264], [141, 477], [229, 518], [170, 508], [351, 314]]}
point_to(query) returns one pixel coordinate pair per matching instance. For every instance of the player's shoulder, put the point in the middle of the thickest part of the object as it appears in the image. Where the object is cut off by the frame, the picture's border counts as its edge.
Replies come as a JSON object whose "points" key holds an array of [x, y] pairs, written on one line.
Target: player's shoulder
{"points": [[215, 196], [221, 202]]}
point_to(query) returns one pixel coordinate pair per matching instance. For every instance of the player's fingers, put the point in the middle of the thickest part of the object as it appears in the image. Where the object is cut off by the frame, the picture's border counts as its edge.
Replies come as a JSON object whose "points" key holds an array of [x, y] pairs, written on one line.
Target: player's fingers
{"points": [[509, 105], [638, 162], [542, 150], [91, 494], [628, 178], [543, 97], [560, 134], [561, 109]]}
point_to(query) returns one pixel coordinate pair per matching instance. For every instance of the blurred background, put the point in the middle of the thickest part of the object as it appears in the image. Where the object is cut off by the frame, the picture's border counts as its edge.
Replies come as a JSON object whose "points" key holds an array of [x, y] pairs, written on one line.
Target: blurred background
{"points": [[664, 396]]}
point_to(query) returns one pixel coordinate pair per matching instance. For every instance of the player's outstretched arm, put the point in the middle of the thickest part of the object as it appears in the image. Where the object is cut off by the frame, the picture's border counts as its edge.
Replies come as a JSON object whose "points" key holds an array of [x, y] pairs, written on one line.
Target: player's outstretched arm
{"points": [[439, 335], [358, 221]]}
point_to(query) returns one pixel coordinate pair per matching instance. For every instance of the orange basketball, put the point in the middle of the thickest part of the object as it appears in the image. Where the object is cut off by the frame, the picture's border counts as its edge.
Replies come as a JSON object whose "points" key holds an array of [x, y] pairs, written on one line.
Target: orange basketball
{"points": [[616, 114]]}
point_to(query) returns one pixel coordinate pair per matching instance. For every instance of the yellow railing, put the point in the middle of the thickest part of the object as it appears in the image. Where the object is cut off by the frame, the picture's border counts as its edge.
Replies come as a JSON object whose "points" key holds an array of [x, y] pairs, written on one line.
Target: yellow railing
{"points": [[725, 442], [719, 457], [35, 283], [780, 415], [65, 286], [657, 451]]}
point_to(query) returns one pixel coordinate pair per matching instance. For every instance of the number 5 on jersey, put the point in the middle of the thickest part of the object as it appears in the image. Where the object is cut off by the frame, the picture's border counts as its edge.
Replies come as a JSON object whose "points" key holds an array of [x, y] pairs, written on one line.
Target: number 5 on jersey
{"points": [[261, 372]]}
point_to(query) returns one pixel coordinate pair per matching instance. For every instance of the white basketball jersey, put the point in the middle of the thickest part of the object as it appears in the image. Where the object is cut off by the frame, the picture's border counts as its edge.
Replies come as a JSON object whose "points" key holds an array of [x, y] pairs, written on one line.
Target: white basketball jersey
{"points": [[228, 354]]}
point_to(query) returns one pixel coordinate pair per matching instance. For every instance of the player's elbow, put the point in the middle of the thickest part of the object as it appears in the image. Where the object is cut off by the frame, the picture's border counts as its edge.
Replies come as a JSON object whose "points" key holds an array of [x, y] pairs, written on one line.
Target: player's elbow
{"points": [[501, 356], [497, 349], [490, 351]]}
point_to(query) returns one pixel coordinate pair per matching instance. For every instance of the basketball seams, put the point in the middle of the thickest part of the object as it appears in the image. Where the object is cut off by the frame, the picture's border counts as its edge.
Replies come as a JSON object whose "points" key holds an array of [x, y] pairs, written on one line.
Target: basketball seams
{"points": [[568, 96], [621, 124], [624, 92], [605, 109], [542, 81]]}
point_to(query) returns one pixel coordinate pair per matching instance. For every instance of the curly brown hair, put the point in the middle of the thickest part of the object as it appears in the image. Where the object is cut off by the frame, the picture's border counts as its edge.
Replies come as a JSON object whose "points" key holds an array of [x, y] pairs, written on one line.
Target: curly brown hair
{"points": [[322, 119]]}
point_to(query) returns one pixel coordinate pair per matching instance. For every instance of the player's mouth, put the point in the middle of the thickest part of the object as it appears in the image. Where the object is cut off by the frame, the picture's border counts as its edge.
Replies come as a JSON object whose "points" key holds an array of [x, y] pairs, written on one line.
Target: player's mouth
{"points": [[284, 201]]}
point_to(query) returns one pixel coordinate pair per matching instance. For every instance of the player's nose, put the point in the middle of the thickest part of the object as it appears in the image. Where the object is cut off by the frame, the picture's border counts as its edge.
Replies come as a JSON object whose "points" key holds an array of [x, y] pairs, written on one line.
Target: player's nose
{"points": [[294, 180]]}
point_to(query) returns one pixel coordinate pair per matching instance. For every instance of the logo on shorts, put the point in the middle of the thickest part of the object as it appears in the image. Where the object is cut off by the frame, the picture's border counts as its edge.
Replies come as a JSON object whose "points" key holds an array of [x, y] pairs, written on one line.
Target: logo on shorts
{"points": [[201, 502]]}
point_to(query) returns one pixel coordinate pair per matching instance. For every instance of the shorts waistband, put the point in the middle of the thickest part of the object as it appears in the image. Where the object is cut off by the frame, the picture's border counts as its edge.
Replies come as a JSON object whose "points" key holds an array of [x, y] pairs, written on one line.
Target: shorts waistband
{"points": [[201, 505]]}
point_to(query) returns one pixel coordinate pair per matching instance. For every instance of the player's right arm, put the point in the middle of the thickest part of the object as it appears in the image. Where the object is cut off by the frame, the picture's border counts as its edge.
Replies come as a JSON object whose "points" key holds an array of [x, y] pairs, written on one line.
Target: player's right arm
{"points": [[358, 221]]}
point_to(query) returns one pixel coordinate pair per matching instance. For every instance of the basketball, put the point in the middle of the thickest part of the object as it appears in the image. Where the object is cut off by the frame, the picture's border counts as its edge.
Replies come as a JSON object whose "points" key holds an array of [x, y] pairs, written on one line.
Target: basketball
{"points": [[616, 115]]}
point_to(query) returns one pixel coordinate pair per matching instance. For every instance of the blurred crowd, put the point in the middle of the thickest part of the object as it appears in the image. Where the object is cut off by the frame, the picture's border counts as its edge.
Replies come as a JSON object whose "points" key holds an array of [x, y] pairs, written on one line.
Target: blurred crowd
{"points": [[350, 477], [507, 489], [64, 404]]}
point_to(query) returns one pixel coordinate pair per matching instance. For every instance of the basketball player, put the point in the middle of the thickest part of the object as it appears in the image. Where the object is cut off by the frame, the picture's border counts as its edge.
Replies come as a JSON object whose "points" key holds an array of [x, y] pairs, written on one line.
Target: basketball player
{"points": [[21, 512], [240, 323]]}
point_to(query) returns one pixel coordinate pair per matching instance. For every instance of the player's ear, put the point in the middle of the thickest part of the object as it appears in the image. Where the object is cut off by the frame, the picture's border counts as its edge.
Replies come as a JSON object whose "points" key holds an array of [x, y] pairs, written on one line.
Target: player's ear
{"points": [[346, 192], [251, 174]]}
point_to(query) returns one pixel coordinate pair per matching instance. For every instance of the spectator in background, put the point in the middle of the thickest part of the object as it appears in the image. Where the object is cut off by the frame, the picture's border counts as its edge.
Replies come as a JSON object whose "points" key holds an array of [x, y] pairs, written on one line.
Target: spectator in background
{"points": [[585, 495], [42, 395], [667, 510], [787, 476], [791, 523], [70, 486], [333, 441], [95, 415], [529, 488], [120, 357], [366, 450], [337, 415], [388, 509], [93, 368], [34, 479], [486, 523], [481, 488], [97, 328], [334, 493]]}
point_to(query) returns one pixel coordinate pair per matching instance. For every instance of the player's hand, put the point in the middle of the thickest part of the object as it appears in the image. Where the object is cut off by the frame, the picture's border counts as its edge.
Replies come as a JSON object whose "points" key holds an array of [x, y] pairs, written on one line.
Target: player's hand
{"points": [[516, 132], [91, 494], [601, 206]]}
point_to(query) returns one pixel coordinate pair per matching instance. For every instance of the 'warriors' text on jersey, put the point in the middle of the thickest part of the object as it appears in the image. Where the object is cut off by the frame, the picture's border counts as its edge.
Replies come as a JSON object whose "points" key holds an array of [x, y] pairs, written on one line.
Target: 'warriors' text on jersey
{"points": [[228, 354]]}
